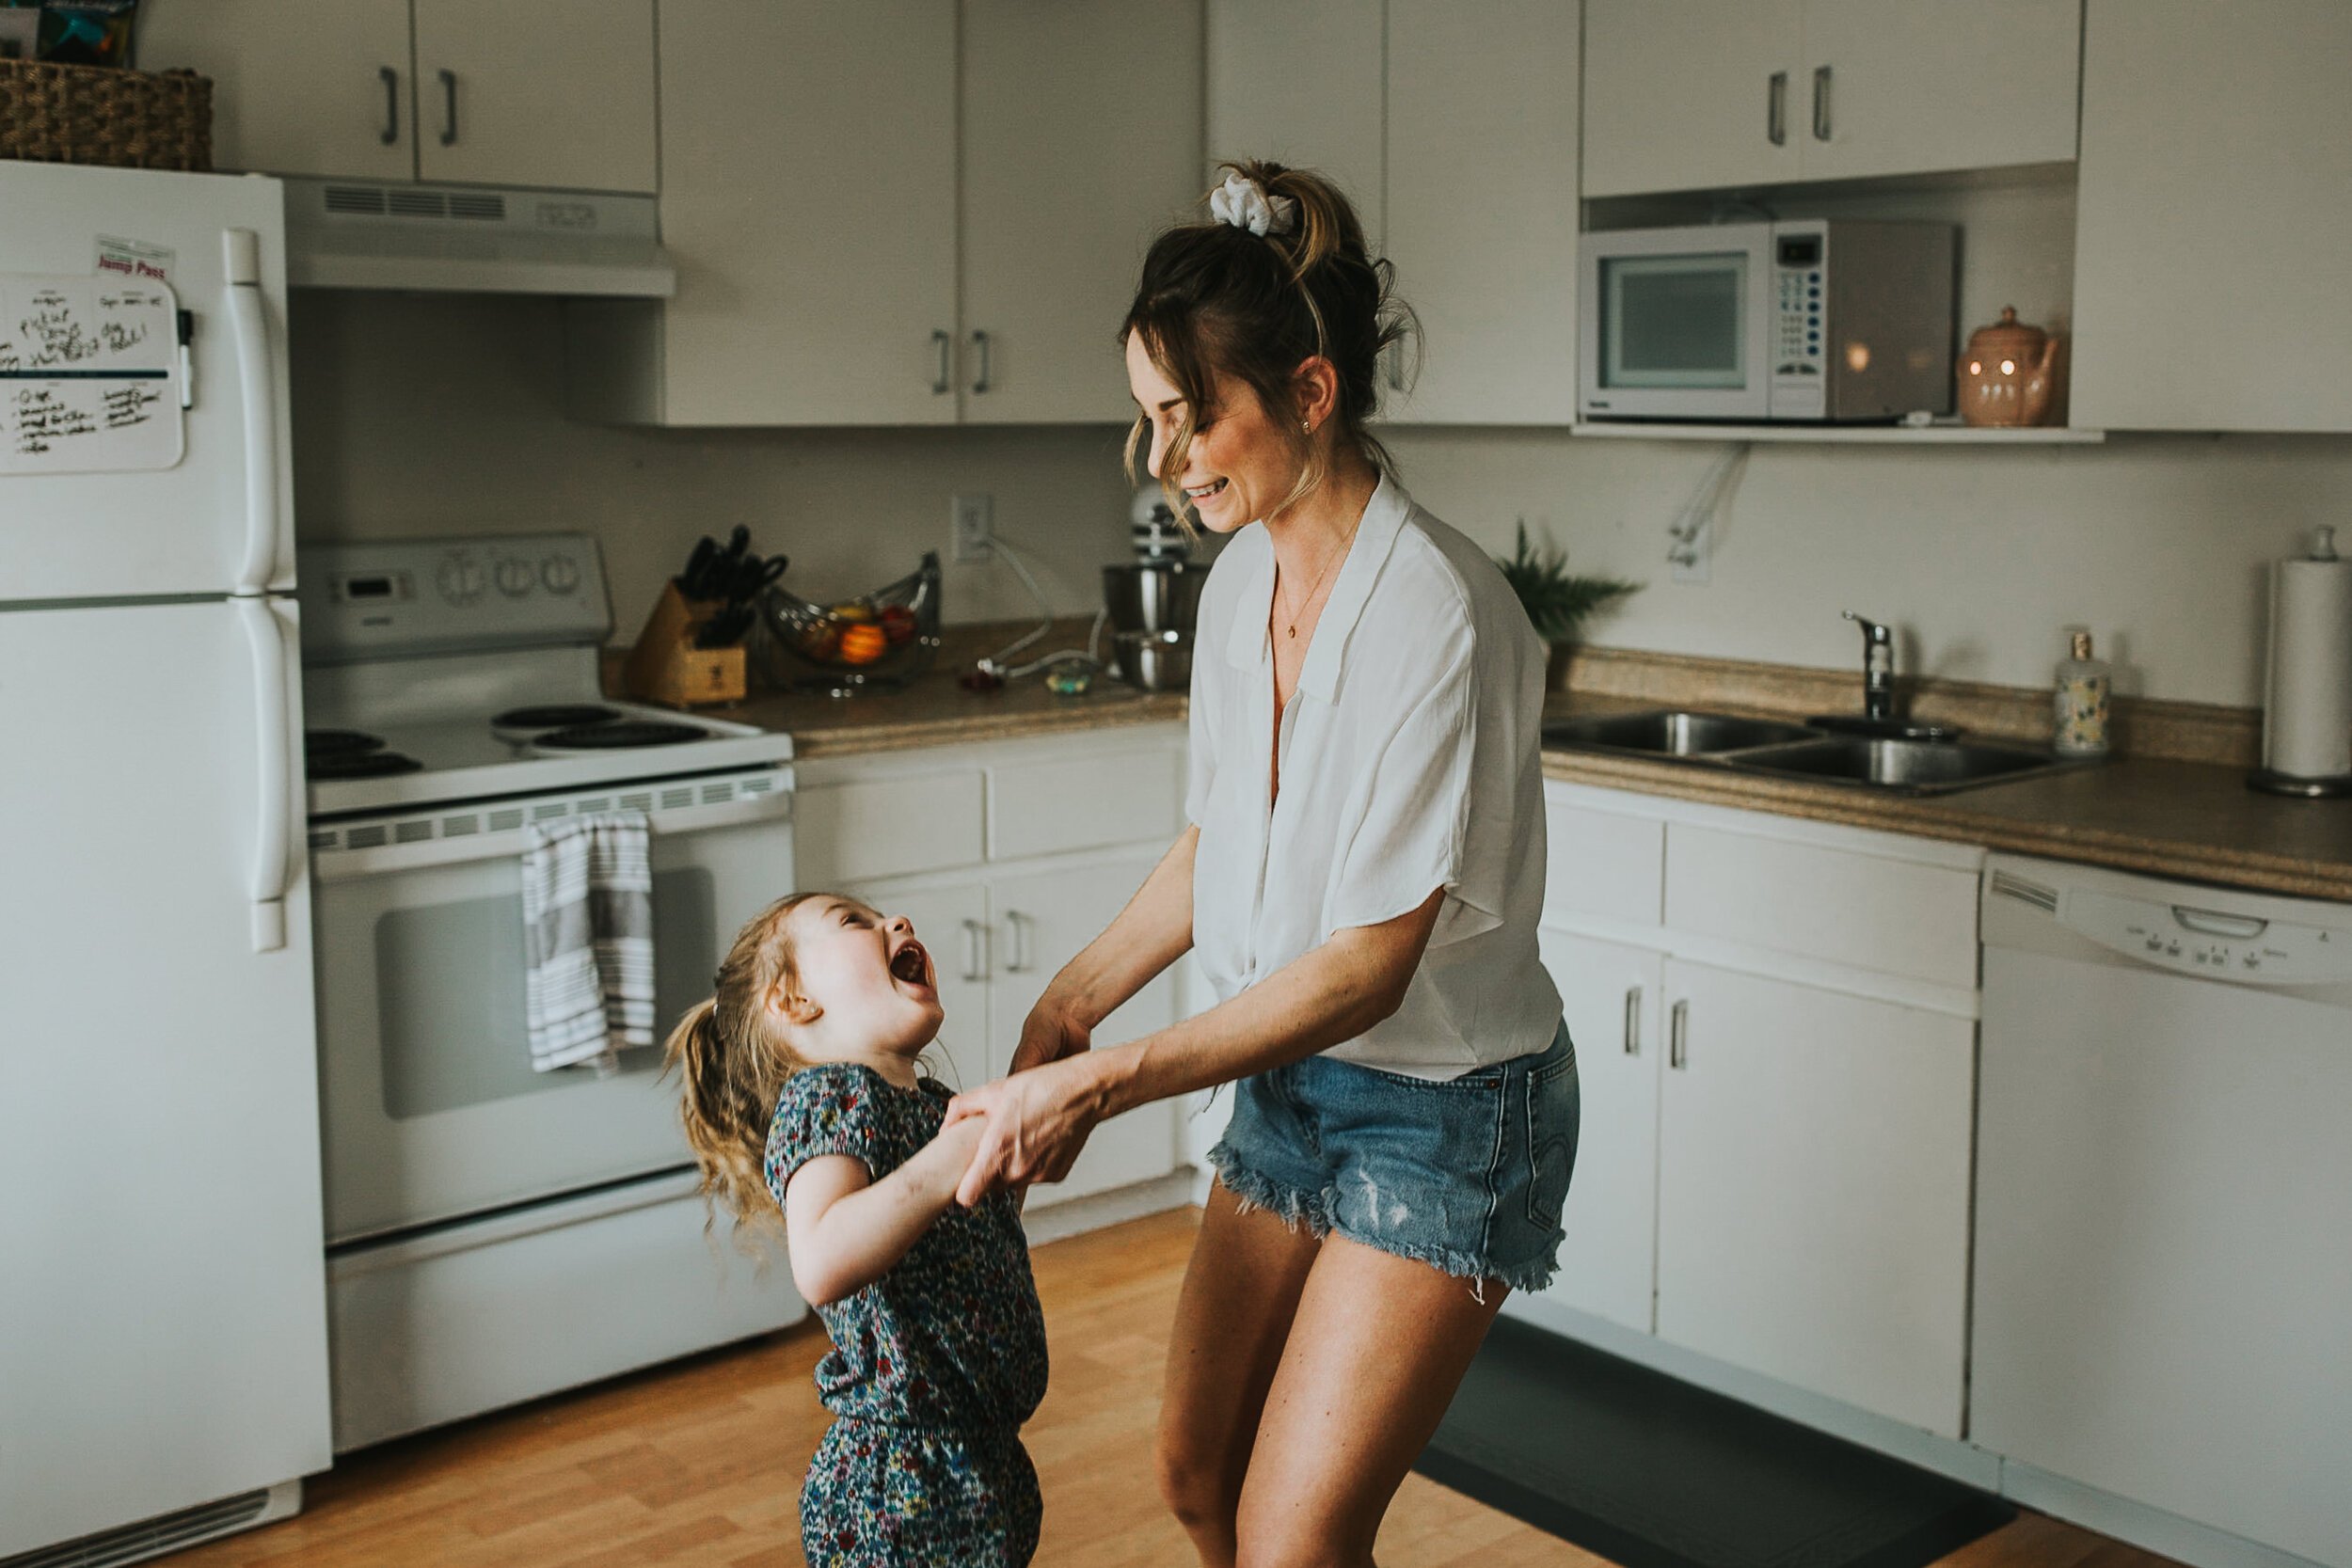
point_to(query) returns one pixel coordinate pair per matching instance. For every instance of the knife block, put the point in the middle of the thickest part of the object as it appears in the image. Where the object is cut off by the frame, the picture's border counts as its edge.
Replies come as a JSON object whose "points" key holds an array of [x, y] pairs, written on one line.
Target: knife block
{"points": [[666, 666]]}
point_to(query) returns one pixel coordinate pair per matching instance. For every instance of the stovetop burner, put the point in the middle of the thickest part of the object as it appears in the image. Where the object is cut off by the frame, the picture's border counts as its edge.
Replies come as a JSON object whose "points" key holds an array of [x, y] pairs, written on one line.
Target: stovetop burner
{"points": [[338, 743], [554, 716], [628, 733], [360, 765]]}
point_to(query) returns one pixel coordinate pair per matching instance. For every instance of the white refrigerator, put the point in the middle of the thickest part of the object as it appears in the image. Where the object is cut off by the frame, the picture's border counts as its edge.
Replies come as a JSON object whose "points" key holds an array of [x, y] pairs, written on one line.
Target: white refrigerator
{"points": [[163, 1339]]}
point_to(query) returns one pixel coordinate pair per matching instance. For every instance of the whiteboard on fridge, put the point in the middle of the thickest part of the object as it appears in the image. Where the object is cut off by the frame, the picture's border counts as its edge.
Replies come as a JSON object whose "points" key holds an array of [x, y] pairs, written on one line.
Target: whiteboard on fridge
{"points": [[92, 379]]}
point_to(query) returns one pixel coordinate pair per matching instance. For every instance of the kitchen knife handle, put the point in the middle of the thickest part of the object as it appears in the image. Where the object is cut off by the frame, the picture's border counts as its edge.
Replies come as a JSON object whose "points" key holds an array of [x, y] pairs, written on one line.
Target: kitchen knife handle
{"points": [[944, 343], [448, 108], [979, 346], [1821, 103], [391, 104], [1776, 109], [1634, 1022], [1678, 1037]]}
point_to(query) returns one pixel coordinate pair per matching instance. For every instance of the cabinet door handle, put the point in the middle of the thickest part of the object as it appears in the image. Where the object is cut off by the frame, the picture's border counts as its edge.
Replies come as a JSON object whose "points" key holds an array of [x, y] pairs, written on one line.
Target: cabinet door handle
{"points": [[943, 344], [974, 965], [1678, 1037], [1634, 1022], [1821, 103], [1776, 109], [448, 108], [979, 346], [391, 79], [1020, 924]]}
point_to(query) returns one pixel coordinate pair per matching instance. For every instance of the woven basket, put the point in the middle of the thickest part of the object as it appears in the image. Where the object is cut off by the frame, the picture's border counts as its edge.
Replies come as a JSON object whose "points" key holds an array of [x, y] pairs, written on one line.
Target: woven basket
{"points": [[88, 114]]}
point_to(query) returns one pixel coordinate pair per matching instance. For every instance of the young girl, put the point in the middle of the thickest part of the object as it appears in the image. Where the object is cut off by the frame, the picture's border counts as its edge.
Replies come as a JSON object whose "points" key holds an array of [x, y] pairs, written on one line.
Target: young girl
{"points": [[801, 1090]]}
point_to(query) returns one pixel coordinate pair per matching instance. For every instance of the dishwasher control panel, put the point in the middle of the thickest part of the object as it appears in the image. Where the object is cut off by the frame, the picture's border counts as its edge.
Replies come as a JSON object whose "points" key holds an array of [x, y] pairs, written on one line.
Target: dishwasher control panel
{"points": [[2218, 943]]}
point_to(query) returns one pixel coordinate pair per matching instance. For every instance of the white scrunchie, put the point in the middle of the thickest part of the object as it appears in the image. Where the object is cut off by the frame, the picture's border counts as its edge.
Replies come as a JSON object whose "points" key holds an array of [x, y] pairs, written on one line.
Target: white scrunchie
{"points": [[1244, 203]]}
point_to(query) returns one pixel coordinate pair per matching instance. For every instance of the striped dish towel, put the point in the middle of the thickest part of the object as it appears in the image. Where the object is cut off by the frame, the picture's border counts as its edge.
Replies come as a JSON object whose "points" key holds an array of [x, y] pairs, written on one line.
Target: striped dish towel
{"points": [[588, 940]]}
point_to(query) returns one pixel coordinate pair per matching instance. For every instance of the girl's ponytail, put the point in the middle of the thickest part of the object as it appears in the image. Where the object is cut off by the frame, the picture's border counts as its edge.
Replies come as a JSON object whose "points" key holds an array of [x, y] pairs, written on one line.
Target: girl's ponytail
{"points": [[731, 1068]]}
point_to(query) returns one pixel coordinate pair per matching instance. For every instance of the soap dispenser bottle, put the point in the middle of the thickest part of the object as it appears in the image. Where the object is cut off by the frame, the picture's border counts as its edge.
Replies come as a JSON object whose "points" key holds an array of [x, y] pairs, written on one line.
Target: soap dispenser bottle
{"points": [[2084, 686]]}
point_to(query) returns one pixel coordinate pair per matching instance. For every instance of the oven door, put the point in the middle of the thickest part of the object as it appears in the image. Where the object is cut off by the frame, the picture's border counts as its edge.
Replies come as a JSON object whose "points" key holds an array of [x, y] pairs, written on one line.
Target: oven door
{"points": [[1675, 323], [432, 1109]]}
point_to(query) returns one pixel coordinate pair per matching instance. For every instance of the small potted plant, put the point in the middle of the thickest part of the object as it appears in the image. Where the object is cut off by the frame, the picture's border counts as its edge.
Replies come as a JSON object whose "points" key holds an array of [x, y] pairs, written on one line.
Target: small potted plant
{"points": [[1557, 600]]}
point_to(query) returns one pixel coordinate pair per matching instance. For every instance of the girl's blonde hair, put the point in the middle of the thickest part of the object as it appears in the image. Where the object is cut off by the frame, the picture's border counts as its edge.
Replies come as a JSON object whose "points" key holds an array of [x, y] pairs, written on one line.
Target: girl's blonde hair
{"points": [[732, 1066], [1216, 300]]}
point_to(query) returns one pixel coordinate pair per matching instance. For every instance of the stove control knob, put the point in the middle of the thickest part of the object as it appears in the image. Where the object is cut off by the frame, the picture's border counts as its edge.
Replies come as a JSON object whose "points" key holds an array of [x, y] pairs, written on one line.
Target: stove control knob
{"points": [[460, 579], [514, 578], [561, 573]]}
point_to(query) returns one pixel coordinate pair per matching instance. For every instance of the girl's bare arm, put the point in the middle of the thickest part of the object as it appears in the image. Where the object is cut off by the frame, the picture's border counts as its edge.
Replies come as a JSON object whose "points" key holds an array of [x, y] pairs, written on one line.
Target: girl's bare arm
{"points": [[845, 1230]]}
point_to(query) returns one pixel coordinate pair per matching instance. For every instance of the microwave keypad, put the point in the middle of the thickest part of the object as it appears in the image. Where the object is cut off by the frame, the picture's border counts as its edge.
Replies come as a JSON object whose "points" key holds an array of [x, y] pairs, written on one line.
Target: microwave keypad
{"points": [[1798, 346]]}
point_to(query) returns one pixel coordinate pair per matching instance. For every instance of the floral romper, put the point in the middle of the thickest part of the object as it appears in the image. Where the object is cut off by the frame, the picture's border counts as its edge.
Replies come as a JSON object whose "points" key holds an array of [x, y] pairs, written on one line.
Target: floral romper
{"points": [[934, 1366]]}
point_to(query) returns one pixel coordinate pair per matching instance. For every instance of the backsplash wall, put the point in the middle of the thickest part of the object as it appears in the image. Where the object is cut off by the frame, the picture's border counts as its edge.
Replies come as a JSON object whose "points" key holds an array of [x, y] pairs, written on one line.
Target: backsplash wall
{"points": [[418, 416]]}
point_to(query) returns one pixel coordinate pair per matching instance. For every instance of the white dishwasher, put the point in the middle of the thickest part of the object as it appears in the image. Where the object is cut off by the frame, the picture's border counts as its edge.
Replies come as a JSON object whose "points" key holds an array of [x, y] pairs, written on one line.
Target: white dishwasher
{"points": [[2163, 1304]]}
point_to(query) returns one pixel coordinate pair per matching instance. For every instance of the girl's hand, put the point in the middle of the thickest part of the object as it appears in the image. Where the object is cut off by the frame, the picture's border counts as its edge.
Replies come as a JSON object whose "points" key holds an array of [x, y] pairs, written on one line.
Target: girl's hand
{"points": [[1048, 1034], [1037, 1122]]}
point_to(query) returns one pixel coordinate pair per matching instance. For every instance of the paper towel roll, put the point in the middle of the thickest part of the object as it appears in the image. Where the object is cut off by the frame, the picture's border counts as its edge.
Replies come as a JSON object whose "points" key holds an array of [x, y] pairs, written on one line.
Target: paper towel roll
{"points": [[2307, 720]]}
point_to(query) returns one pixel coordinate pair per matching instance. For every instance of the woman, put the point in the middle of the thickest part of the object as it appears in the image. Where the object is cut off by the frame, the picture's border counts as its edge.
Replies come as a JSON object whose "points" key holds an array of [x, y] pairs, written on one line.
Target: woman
{"points": [[1360, 879]]}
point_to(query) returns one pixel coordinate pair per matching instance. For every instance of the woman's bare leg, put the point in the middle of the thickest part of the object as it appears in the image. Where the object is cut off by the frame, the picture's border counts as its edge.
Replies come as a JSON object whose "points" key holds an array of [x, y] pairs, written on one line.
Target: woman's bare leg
{"points": [[1376, 1346], [1231, 1320]]}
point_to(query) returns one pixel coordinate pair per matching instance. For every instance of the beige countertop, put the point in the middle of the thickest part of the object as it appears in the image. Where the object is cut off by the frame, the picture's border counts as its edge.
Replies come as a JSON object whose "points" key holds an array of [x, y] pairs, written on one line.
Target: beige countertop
{"points": [[2194, 820]]}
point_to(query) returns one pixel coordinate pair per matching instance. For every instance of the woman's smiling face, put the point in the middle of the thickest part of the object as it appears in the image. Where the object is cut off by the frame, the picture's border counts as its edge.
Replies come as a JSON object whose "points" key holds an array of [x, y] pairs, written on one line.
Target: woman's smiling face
{"points": [[1240, 460]]}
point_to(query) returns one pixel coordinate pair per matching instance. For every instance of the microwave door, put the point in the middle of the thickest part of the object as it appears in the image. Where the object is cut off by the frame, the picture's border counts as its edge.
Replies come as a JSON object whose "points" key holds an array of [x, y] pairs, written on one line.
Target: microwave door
{"points": [[1675, 323]]}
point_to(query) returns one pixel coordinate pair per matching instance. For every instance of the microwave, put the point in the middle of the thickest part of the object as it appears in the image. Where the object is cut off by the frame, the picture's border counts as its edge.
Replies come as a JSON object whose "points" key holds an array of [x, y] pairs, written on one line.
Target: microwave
{"points": [[1816, 320]]}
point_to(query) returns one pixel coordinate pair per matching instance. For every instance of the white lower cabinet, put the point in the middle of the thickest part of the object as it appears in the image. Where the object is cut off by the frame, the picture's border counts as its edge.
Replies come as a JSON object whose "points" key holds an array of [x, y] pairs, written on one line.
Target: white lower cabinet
{"points": [[1613, 997], [1004, 887], [1813, 1190]]}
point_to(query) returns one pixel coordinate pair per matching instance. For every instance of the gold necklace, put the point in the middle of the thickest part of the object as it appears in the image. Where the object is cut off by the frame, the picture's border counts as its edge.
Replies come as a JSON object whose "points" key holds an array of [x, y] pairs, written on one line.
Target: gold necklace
{"points": [[1334, 556]]}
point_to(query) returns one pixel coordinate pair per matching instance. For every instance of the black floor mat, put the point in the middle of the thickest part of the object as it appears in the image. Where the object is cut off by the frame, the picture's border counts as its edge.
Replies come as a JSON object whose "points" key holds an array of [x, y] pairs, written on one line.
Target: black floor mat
{"points": [[1652, 1472]]}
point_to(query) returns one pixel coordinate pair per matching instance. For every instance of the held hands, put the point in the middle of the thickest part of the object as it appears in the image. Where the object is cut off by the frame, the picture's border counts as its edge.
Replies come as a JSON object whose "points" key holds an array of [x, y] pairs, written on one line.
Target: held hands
{"points": [[1037, 1123]]}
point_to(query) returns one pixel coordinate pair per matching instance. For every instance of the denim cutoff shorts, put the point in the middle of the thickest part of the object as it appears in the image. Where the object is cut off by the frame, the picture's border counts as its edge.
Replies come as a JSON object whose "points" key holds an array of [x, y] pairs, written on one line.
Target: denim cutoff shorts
{"points": [[1465, 1174]]}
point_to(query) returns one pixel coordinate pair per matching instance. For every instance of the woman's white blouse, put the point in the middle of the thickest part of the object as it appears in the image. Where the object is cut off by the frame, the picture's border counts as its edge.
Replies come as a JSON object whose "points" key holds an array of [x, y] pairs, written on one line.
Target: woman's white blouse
{"points": [[1409, 764]]}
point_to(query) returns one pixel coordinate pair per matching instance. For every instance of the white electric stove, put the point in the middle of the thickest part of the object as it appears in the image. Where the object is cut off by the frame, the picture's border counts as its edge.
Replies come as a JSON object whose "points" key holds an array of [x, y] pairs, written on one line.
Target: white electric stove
{"points": [[495, 1233]]}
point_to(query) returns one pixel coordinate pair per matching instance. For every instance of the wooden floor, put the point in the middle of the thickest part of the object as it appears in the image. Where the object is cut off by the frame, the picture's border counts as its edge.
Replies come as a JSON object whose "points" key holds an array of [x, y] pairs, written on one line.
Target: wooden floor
{"points": [[699, 1463]]}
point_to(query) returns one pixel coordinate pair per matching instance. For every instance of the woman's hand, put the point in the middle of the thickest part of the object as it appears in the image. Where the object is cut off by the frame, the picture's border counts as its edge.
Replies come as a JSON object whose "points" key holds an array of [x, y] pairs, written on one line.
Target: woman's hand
{"points": [[1037, 1122], [1049, 1034]]}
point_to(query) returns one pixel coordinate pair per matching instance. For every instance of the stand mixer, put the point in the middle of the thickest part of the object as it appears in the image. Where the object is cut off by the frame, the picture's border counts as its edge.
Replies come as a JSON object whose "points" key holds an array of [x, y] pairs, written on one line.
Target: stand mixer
{"points": [[1151, 602]]}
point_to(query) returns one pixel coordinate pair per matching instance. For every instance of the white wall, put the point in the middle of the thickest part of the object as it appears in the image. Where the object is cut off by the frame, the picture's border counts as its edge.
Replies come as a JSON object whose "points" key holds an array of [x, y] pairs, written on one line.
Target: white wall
{"points": [[419, 416]]}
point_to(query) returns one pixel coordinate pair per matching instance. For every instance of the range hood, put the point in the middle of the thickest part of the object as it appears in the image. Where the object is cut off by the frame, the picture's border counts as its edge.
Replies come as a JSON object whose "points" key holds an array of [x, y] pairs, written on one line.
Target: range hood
{"points": [[473, 239]]}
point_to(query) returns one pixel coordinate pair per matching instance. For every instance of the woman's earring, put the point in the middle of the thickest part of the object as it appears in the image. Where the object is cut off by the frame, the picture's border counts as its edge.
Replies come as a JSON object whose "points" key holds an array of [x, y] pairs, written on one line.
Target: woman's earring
{"points": [[1306, 427]]}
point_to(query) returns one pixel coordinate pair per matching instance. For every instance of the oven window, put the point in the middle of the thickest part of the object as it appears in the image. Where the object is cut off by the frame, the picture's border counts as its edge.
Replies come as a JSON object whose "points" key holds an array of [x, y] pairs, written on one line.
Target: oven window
{"points": [[1674, 321], [449, 977]]}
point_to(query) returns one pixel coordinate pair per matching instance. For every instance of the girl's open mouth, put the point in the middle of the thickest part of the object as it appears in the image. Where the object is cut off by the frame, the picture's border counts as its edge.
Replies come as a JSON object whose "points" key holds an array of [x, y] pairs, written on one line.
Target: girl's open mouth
{"points": [[910, 965]]}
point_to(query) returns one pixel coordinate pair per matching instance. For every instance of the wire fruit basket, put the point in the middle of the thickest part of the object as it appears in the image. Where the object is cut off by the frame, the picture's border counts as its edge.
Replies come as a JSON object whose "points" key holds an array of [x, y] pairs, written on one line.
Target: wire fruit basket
{"points": [[877, 642]]}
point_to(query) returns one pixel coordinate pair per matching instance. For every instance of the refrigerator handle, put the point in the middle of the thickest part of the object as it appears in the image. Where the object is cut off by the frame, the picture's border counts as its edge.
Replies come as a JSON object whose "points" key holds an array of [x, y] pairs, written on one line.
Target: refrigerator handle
{"points": [[273, 856], [241, 258]]}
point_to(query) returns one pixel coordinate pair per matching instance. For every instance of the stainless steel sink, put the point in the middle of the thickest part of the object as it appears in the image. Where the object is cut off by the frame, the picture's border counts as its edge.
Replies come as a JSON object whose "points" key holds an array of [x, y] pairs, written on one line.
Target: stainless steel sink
{"points": [[1672, 733], [1912, 766]]}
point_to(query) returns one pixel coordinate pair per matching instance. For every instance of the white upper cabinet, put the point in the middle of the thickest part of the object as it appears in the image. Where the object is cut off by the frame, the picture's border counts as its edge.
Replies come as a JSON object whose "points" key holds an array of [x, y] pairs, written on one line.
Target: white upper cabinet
{"points": [[1703, 94], [553, 93], [1690, 94], [1072, 164], [1482, 208], [300, 87], [1300, 81], [1911, 87], [808, 200], [1452, 125], [557, 94], [2212, 217], [902, 212]]}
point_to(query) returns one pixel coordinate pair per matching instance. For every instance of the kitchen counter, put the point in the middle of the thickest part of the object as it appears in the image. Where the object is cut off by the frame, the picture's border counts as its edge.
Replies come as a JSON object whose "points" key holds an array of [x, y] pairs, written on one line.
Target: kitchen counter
{"points": [[2195, 821], [2189, 819]]}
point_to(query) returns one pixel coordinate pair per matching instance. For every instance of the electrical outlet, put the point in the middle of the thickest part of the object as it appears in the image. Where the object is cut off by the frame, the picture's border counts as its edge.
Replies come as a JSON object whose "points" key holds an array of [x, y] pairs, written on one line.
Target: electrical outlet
{"points": [[1691, 556], [972, 531]]}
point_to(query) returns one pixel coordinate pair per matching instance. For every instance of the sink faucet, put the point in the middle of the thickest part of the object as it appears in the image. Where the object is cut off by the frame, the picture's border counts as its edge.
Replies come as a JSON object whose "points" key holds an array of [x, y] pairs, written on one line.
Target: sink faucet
{"points": [[1878, 668]]}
